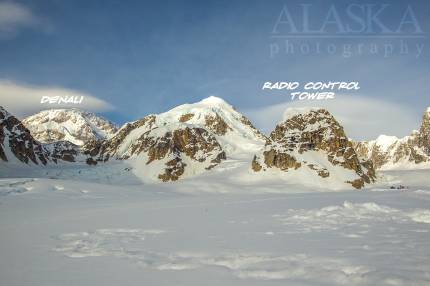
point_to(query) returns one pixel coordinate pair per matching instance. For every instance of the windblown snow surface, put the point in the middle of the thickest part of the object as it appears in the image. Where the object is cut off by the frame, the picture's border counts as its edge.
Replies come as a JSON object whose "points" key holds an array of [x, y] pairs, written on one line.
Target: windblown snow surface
{"points": [[213, 232]]}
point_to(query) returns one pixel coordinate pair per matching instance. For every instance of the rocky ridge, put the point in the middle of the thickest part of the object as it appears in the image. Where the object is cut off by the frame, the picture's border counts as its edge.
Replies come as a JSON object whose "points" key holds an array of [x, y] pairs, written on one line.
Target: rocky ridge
{"points": [[17, 145], [73, 125], [16, 142], [312, 138], [390, 152], [185, 140]]}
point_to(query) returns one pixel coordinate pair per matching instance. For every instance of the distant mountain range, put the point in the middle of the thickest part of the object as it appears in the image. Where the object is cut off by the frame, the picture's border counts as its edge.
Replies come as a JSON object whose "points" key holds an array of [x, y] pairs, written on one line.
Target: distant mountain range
{"points": [[390, 152], [308, 145]]}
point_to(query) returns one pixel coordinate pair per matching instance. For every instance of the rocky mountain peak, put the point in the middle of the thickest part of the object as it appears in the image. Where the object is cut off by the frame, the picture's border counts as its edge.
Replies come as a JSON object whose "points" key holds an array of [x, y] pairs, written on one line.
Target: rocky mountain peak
{"points": [[424, 133], [291, 112], [187, 139], [312, 131], [231, 128], [390, 152], [315, 121], [73, 125]]}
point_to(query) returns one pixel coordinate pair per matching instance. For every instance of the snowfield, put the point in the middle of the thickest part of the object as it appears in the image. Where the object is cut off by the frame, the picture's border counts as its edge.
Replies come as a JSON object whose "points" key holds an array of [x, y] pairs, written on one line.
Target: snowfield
{"points": [[69, 232]]}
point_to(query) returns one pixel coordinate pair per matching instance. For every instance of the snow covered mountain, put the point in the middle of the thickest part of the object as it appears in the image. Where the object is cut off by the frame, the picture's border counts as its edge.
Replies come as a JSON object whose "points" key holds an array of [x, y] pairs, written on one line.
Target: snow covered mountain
{"points": [[310, 145], [390, 152], [73, 125], [232, 129], [184, 141], [17, 144]]}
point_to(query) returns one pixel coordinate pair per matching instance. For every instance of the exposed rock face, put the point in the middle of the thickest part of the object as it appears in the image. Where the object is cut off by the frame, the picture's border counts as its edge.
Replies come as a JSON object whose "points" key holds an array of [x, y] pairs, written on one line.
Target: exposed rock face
{"points": [[232, 129], [195, 143], [245, 121], [112, 146], [375, 154], [388, 152], [175, 168], [316, 130], [63, 150], [216, 124], [186, 140], [73, 125], [423, 136], [16, 140], [177, 146], [281, 160], [186, 117]]}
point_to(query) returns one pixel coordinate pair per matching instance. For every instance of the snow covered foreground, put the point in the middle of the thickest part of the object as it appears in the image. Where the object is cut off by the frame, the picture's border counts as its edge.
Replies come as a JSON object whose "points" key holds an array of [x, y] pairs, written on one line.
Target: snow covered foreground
{"points": [[63, 232]]}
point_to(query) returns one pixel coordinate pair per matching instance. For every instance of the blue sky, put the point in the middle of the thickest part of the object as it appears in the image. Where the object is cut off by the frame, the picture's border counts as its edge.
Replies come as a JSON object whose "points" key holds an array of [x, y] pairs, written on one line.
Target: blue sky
{"points": [[148, 56]]}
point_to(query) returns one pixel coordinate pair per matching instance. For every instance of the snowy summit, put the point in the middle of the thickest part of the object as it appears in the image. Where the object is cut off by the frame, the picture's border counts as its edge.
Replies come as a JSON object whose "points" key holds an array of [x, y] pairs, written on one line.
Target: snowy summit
{"points": [[73, 125]]}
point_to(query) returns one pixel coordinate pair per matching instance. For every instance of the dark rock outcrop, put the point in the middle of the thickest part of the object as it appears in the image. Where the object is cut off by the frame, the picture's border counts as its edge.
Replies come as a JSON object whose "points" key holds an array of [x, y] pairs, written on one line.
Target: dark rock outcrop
{"points": [[63, 150], [17, 138], [177, 146], [312, 130], [216, 124]]}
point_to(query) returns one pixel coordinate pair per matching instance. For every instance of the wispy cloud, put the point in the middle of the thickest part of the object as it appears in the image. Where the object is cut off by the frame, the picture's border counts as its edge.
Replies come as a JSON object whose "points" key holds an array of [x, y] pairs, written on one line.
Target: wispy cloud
{"points": [[15, 16], [364, 118], [22, 100]]}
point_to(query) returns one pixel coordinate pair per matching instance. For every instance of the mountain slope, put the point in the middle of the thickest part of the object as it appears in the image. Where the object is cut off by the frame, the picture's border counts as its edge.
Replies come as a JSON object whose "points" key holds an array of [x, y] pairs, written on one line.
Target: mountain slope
{"points": [[164, 152], [311, 146], [73, 125], [184, 141], [424, 133], [232, 129], [390, 152], [17, 144]]}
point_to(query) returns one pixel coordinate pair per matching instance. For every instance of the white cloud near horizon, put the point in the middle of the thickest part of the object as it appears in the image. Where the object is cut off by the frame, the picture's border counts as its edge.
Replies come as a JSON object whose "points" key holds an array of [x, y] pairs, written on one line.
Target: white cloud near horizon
{"points": [[363, 118], [15, 16], [23, 100]]}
